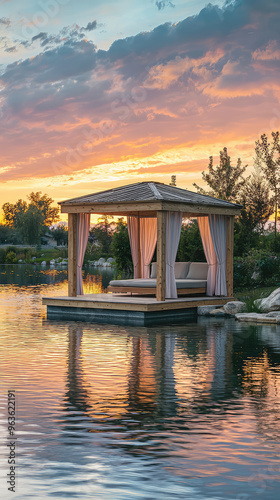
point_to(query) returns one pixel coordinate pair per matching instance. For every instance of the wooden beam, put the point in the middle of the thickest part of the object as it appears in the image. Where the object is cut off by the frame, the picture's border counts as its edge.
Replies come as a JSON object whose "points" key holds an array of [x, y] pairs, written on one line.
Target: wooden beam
{"points": [[229, 262], [161, 255], [72, 255], [197, 210], [193, 210], [112, 208]]}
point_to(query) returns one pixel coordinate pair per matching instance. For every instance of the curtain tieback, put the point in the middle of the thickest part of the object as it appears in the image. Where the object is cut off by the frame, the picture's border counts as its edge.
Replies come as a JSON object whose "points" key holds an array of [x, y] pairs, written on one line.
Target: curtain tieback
{"points": [[170, 265]]}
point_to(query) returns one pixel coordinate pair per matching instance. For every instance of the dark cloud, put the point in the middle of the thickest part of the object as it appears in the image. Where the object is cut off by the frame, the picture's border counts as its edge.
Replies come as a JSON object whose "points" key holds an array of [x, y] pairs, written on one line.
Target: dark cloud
{"points": [[11, 49], [40, 36], [90, 26], [53, 65], [5, 21], [162, 4]]}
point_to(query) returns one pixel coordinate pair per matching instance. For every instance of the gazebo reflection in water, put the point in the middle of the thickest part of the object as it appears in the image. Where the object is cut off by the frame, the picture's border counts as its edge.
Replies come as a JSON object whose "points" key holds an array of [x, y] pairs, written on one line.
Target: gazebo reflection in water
{"points": [[151, 384]]}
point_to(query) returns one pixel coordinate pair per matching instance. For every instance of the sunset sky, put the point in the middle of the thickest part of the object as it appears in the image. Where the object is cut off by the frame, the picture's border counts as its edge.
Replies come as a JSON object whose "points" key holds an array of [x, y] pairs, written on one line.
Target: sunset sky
{"points": [[96, 94]]}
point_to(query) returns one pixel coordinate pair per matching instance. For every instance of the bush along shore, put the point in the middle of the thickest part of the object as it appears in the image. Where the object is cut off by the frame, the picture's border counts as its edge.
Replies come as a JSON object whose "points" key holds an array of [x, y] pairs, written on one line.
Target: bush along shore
{"points": [[32, 255], [48, 256]]}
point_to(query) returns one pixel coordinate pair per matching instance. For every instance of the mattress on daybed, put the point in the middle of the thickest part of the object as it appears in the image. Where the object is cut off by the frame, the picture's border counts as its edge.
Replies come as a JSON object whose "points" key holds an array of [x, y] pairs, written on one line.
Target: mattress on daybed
{"points": [[187, 274], [152, 283]]}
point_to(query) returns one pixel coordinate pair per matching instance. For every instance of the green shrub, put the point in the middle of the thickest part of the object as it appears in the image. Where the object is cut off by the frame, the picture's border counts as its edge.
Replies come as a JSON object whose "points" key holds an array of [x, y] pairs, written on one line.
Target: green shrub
{"points": [[2, 255], [11, 257], [257, 268], [269, 269], [250, 303]]}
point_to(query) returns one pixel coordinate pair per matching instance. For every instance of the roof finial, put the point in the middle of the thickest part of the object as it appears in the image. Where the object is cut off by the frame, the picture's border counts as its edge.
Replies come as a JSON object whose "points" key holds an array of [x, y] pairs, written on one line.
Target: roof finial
{"points": [[173, 181]]}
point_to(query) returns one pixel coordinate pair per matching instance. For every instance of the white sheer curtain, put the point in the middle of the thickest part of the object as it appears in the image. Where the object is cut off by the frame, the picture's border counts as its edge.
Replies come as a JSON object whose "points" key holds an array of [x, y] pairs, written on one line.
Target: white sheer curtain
{"points": [[82, 239], [148, 239], [210, 254], [173, 232], [218, 229], [133, 232]]}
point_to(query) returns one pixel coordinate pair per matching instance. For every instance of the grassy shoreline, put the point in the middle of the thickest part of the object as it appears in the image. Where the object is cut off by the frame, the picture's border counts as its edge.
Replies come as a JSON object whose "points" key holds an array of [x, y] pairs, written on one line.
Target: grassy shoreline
{"points": [[30, 255]]}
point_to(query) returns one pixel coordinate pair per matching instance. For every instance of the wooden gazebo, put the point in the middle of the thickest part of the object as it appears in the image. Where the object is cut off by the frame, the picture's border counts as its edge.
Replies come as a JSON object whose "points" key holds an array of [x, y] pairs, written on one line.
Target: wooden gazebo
{"points": [[148, 199]]}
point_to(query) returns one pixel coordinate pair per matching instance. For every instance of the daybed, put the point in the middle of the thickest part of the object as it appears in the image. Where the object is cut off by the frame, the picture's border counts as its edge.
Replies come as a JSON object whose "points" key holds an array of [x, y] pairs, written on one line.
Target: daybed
{"points": [[190, 277]]}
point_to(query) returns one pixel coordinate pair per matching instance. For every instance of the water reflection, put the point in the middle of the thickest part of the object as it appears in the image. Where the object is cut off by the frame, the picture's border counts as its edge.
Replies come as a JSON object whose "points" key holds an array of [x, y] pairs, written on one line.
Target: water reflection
{"points": [[114, 412]]}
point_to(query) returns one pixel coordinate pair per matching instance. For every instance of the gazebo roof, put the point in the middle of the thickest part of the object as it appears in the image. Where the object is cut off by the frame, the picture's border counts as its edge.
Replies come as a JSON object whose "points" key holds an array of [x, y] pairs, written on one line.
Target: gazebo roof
{"points": [[148, 196]]}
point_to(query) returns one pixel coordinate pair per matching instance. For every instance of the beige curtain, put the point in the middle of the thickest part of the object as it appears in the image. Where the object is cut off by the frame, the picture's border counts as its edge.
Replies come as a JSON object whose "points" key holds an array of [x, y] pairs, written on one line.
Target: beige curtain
{"points": [[148, 239], [203, 224], [82, 239], [173, 233]]}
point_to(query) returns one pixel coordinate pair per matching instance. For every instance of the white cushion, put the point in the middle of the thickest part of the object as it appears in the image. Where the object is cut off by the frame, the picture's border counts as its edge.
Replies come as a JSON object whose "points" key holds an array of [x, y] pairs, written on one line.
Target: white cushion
{"points": [[152, 283], [198, 271], [180, 268]]}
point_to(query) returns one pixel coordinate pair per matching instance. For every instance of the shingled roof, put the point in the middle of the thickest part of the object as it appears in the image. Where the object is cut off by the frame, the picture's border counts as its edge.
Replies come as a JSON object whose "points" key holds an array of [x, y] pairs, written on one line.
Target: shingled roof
{"points": [[148, 192]]}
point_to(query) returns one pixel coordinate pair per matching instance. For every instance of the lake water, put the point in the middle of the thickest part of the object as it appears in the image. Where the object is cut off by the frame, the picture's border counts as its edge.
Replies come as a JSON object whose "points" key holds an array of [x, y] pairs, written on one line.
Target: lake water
{"points": [[121, 413]]}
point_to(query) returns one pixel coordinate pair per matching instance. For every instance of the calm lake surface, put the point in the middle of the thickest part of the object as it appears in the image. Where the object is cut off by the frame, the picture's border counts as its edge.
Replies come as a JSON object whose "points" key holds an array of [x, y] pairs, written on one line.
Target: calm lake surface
{"points": [[110, 412]]}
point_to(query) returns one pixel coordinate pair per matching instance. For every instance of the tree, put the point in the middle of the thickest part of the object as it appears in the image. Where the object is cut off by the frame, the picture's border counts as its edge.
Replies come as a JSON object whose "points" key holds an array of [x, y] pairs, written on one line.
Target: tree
{"points": [[12, 213], [225, 180], [256, 200], [44, 204], [268, 158], [190, 245], [257, 207], [6, 234], [102, 234], [121, 247], [60, 234], [31, 225]]}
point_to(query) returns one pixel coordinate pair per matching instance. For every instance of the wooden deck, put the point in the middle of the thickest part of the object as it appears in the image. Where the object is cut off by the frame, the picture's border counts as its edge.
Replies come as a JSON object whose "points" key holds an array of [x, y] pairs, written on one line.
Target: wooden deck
{"points": [[132, 303], [127, 310]]}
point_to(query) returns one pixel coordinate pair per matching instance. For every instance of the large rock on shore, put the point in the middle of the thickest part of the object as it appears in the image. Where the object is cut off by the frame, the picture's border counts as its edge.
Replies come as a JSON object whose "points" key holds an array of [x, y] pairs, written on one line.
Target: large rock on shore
{"points": [[259, 318], [270, 303], [234, 307]]}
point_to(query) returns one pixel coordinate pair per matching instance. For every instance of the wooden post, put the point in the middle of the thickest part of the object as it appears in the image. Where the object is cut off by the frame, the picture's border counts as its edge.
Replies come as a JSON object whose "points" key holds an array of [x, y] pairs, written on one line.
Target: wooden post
{"points": [[139, 246], [161, 254], [72, 255], [229, 263]]}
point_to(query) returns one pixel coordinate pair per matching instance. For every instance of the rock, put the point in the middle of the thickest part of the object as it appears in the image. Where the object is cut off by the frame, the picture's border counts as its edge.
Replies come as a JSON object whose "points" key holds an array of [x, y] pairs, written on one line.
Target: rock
{"points": [[43, 263], [270, 303], [218, 312], [257, 318], [20, 260], [52, 262], [205, 310], [255, 276], [110, 260], [234, 307]]}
